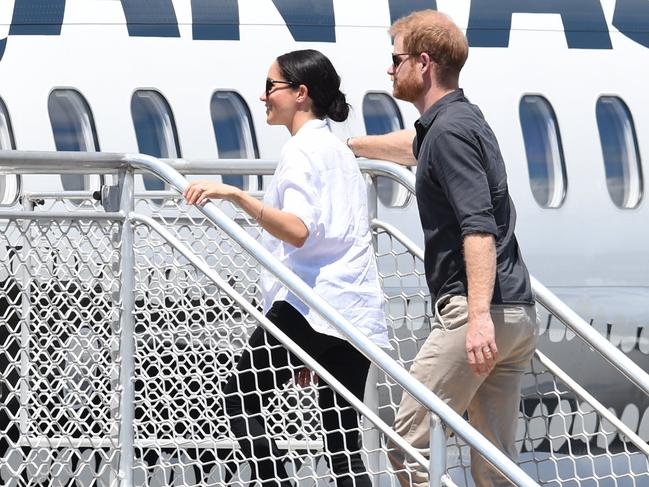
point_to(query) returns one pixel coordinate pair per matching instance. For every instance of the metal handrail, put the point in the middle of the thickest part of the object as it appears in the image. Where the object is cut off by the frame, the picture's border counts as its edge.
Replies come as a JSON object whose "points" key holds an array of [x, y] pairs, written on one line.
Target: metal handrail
{"points": [[92, 163], [418, 253], [547, 299], [594, 403], [401, 237], [60, 215], [41, 162], [579, 326], [293, 347]]}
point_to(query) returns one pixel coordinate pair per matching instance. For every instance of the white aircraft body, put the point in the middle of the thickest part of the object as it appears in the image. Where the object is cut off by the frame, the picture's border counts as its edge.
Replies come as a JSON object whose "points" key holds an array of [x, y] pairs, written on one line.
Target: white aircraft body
{"points": [[563, 85]]}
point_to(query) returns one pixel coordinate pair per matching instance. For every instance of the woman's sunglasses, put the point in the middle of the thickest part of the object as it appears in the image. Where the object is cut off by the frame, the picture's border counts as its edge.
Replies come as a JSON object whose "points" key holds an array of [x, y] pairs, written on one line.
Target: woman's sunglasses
{"points": [[270, 84]]}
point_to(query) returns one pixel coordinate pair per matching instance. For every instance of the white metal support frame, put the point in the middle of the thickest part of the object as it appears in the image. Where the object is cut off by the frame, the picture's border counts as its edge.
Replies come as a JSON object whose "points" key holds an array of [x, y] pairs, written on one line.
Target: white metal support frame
{"points": [[34, 162]]}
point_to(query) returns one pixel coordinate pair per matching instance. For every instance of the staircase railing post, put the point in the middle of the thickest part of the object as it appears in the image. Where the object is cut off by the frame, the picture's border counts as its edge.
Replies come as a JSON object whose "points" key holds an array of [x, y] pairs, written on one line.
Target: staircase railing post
{"points": [[26, 284], [372, 439], [127, 325], [437, 451]]}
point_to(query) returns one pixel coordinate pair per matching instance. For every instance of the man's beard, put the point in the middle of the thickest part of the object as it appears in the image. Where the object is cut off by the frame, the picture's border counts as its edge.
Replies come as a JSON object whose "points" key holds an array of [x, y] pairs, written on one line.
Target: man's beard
{"points": [[407, 88]]}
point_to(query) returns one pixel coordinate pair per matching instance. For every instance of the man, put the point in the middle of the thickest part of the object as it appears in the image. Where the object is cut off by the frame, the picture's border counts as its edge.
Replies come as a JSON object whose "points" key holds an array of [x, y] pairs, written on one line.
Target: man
{"points": [[484, 329]]}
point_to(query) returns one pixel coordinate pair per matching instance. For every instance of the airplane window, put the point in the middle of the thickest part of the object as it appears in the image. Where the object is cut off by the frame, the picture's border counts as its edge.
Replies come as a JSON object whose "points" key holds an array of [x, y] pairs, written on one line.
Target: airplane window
{"points": [[620, 151], [9, 185], [381, 115], [155, 130], [74, 130], [234, 133], [545, 161]]}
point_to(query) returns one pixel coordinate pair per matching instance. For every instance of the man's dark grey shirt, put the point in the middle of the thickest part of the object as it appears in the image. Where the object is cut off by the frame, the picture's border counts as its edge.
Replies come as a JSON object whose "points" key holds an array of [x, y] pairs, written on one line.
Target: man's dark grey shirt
{"points": [[462, 190]]}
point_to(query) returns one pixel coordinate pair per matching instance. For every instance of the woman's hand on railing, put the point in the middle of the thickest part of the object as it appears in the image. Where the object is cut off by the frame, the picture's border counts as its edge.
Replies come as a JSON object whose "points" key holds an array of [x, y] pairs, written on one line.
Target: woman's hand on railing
{"points": [[198, 192]]}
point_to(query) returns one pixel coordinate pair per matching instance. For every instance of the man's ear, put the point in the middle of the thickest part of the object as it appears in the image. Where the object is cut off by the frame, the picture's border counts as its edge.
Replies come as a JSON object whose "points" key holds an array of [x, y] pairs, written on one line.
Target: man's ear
{"points": [[426, 62]]}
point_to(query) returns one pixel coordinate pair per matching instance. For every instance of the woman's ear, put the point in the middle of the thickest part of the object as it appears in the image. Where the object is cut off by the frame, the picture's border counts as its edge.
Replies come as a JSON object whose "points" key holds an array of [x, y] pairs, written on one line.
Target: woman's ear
{"points": [[302, 93]]}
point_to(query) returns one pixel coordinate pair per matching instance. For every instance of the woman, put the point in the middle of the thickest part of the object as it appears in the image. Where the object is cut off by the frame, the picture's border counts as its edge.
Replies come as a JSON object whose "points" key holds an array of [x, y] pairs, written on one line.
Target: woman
{"points": [[314, 219]]}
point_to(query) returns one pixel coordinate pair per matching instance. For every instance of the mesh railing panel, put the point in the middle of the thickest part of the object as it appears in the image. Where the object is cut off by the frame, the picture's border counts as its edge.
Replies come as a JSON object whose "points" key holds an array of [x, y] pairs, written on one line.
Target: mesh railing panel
{"points": [[561, 439], [62, 418], [189, 337], [220, 252], [59, 343], [407, 307]]}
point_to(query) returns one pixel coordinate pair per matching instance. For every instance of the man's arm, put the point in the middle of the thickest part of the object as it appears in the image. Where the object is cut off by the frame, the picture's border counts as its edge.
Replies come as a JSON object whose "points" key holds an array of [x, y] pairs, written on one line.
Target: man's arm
{"points": [[393, 146], [480, 259]]}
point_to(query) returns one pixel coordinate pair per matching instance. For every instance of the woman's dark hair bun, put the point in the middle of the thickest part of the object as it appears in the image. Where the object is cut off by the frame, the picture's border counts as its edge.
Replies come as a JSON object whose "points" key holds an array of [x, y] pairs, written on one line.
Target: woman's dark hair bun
{"points": [[314, 70], [339, 108]]}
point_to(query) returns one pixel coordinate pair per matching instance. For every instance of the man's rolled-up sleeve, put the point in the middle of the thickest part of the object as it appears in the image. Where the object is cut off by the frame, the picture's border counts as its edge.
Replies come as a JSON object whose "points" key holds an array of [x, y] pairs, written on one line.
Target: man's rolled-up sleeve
{"points": [[462, 176]]}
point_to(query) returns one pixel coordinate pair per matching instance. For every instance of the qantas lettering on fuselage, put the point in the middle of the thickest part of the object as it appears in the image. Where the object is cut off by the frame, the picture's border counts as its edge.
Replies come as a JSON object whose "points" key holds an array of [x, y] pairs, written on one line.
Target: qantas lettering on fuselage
{"points": [[314, 20]]}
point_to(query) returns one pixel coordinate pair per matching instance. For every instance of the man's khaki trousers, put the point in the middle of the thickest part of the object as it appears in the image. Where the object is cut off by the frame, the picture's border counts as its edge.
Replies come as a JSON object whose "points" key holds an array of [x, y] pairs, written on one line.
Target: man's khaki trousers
{"points": [[492, 401]]}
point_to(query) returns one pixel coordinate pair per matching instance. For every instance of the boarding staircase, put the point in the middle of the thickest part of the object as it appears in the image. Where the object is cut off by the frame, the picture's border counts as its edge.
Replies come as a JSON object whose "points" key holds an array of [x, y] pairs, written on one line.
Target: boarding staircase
{"points": [[122, 314]]}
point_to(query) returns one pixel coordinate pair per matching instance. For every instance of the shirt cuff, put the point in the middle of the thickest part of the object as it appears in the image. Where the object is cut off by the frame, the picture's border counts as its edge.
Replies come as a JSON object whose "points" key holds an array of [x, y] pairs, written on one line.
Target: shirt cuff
{"points": [[479, 224]]}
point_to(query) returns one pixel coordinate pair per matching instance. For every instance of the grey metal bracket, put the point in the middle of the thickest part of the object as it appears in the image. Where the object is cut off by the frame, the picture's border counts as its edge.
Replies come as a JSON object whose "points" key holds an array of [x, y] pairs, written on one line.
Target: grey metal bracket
{"points": [[109, 196]]}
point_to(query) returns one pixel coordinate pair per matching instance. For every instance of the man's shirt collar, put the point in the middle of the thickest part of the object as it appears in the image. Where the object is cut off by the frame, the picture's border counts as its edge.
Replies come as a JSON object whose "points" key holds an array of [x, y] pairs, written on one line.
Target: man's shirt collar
{"points": [[428, 117]]}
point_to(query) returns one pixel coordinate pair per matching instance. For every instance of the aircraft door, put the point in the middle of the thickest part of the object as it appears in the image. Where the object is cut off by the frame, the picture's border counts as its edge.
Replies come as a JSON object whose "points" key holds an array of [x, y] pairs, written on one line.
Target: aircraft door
{"points": [[73, 127], [9, 185], [381, 115], [155, 130], [235, 134]]}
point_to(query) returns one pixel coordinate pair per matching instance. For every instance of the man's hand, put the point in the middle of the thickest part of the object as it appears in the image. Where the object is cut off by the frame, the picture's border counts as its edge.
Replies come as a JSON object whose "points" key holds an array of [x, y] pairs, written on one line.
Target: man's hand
{"points": [[480, 258], [481, 349], [198, 192]]}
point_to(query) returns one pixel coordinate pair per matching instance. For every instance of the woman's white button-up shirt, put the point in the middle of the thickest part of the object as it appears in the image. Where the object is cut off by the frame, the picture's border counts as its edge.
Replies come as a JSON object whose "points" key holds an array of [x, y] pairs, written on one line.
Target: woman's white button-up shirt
{"points": [[318, 180]]}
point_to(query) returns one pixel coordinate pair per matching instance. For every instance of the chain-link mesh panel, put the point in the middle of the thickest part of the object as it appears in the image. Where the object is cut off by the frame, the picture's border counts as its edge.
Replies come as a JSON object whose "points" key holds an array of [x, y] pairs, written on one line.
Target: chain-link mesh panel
{"points": [[59, 342], [561, 439], [567, 442], [190, 336], [220, 252], [407, 310]]}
